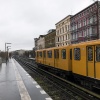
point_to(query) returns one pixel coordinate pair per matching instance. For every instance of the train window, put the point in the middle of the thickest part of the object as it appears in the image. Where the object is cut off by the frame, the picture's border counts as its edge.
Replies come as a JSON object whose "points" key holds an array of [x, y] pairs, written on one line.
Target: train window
{"points": [[77, 53], [50, 54], [44, 54], [90, 54], [56, 53], [40, 53], [71, 54], [63, 53], [98, 53]]}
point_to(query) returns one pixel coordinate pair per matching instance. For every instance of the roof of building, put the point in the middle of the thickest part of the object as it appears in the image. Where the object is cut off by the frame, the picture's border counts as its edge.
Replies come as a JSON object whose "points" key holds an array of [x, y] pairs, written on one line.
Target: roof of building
{"points": [[84, 9], [63, 19], [51, 30]]}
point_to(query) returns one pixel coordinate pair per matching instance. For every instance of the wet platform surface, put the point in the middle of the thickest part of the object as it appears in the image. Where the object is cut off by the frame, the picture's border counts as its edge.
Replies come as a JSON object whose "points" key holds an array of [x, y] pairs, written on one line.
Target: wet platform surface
{"points": [[17, 84]]}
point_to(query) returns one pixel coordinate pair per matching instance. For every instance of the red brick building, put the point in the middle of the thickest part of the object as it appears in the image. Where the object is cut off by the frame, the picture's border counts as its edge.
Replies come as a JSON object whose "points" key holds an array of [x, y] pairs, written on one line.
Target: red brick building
{"points": [[85, 25]]}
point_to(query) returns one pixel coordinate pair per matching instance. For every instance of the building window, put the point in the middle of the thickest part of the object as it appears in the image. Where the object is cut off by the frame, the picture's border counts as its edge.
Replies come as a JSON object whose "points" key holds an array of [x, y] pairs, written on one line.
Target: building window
{"points": [[94, 18], [63, 38], [71, 27], [60, 30], [80, 34], [66, 37], [63, 29], [94, 30], [91, 20], [58, 39], [90, 31], [76, 25], [66, 28], [84, 32], [76, 35], [81, 23], [87, 31], [73, 36], [88, 21]]}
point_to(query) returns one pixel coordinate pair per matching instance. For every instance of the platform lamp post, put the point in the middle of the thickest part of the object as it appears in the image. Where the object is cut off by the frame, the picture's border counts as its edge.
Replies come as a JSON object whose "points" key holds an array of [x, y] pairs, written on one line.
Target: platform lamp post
{"points": [[5, 45], [5, 51], [8, 51]]}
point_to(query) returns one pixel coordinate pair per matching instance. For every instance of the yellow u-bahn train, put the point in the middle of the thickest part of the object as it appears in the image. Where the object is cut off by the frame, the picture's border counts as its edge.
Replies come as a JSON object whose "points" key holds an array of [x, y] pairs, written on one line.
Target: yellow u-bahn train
{"points": [[79, 62]]}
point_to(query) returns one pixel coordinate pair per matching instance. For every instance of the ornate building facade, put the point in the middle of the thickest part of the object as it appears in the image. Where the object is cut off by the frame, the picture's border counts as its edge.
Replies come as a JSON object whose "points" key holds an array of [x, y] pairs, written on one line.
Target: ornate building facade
{"points": [[63, 32], [50, 38], [39, 42], [85, 25]]}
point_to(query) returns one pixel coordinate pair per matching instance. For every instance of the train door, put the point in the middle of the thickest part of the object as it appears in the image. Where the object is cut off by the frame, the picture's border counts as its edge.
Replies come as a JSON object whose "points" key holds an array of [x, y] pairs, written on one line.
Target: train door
{"points": [[70, 59], [44, 57], [56, 57], [97, 61], [91, 61]]}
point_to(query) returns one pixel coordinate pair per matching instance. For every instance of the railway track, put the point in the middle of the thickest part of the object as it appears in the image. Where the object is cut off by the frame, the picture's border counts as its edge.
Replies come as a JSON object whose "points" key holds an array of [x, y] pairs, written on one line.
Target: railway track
{"points": [[68, 90]]}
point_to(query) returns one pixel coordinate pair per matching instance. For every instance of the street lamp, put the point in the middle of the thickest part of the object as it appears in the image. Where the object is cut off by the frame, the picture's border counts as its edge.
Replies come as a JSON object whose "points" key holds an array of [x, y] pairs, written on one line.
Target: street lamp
{"points": [[5, 46], [6, 55]]}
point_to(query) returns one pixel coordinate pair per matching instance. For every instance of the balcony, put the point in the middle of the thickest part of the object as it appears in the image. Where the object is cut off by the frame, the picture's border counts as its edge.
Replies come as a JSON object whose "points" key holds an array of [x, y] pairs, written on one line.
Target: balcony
{"points": [[81, 38], [74, 41], [93, 23], [91, 37]]}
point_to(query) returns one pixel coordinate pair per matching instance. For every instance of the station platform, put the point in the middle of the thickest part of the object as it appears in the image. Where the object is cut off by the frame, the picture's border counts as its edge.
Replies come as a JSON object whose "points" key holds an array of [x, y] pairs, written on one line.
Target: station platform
{"points": [[17, 84]]}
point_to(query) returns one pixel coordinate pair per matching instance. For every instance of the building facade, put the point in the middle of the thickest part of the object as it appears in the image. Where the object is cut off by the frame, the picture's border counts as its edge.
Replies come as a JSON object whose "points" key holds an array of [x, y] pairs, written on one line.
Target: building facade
{"points": [[36, 43], [50, 38], [85, 25], [41, 42], [63, 32]]}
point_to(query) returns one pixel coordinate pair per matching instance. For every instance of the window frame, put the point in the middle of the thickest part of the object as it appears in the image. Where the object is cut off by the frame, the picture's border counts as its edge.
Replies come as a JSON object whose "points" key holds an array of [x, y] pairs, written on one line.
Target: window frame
{"points": [[63, 54], [49, 53], [77, 55]]}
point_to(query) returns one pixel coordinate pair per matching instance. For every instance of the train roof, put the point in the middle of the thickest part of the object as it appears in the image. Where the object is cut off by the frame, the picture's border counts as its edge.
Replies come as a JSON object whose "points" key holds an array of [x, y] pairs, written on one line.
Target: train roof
{"points": [[53, 48]]}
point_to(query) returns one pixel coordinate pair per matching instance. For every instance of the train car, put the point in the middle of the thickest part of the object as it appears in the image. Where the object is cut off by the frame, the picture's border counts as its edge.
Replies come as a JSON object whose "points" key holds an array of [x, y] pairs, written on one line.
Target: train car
{"points": [[86, 63], [63, 60], [57, 59], [39, 56]]}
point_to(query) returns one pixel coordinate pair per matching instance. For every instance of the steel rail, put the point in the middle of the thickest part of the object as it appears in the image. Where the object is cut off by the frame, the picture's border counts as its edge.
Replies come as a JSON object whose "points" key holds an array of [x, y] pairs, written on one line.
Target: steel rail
{"points": [[71, 89]]}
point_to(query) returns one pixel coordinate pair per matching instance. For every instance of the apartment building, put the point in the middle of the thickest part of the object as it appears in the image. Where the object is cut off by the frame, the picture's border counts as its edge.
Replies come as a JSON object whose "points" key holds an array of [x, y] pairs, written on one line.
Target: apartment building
{"points": [[50, 38], [39, 42], [85, 25], [63, 32]]}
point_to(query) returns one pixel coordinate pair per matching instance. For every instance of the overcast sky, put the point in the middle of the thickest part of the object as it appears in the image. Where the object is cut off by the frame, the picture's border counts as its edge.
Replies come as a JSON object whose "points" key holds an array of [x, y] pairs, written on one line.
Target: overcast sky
{"points": [[23, 20]]}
